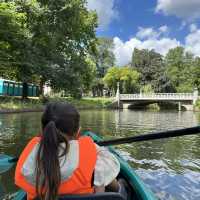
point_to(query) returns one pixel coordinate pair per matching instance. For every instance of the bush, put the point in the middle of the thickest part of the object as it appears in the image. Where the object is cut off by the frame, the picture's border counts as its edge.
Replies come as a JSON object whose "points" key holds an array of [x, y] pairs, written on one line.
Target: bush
{"points": [[198, 104]]}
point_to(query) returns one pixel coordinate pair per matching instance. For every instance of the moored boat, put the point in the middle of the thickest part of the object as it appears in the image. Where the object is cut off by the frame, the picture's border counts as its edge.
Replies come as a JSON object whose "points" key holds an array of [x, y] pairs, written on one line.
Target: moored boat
{"points": [[137, 190]]}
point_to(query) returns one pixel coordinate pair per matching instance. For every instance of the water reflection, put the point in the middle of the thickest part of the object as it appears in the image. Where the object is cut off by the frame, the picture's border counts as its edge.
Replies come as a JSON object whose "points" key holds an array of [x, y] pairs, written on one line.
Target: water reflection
{"points": [[171, 167], [171, 185]]}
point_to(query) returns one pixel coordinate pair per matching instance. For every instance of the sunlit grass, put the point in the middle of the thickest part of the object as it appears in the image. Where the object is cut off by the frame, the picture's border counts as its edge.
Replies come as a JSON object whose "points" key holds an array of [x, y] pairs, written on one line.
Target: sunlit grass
{"points": [[197, 105], [12, 103], [86, 102]]}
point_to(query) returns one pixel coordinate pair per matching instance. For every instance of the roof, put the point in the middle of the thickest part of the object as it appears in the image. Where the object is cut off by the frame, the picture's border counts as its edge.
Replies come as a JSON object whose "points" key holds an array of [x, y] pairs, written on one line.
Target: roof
{"points": [[2, 79]]}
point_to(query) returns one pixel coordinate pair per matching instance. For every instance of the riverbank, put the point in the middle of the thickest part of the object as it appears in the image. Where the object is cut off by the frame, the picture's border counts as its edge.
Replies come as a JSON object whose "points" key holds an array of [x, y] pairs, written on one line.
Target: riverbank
{"points": [[197, 106], [14, 105]]}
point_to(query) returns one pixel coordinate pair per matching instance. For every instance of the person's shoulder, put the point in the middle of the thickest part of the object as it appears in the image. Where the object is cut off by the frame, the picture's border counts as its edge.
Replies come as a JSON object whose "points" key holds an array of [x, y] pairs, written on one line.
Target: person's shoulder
{"points": [[85, 137], [30, 145], [105, 154], [107, 167], [86, 140], [34, 140]]}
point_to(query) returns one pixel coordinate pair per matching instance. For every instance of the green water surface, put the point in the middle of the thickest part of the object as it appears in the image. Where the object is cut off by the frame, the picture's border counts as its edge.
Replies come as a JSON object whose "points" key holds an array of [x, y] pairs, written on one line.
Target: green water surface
{"points": [[170, 167]]}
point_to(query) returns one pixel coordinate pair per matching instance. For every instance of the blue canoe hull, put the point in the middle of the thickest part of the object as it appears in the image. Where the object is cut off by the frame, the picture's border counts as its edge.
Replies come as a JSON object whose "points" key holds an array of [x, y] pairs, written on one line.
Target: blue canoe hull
{"points": [[139, 191]]}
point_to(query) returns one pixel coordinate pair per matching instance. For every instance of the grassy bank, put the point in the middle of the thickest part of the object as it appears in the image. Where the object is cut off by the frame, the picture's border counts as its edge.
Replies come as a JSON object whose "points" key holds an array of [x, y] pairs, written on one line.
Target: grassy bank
{"points": [[197, 106], [9, 104], [90, 103]]}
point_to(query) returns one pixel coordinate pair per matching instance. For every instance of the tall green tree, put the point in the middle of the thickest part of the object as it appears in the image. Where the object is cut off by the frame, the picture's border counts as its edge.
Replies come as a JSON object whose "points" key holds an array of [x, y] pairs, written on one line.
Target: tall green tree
{"points": [[104, 56], [16, 55], [180, 68], [53, 38], [111, 78], [127, 77], [64, 33], [196, 73], [129, 80], [105, 59], [152, 68]]}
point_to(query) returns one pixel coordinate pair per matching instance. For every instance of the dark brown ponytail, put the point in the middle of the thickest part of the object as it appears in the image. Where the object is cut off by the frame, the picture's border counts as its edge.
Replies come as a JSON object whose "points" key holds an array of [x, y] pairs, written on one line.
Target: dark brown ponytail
{"points": [[58, 119]]}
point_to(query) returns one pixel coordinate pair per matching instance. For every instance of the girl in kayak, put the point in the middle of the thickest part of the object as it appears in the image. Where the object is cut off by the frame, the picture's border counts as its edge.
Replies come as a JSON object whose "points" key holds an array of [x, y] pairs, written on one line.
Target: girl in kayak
{"points": [[61, 162]]}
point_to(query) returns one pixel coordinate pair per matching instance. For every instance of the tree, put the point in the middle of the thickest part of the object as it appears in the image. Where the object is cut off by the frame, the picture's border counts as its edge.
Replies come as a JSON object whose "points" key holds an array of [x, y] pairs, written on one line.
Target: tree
{"points": [[54, 41], [112, 77], [151, 66], [104, 56], [16, 55], [147, 89], [180, 67], [196, 73], [70, 39], [76, 78], [89, 76], [128, 78]]}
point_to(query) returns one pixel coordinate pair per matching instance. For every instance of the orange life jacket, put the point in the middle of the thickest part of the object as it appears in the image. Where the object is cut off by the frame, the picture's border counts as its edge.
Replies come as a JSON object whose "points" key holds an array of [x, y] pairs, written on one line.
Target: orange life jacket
{"points": [[79, 182]]}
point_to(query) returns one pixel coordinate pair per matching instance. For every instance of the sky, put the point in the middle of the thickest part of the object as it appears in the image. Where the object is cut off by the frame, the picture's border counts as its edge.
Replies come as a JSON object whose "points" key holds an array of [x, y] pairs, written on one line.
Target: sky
{"points": [[150, 24]]}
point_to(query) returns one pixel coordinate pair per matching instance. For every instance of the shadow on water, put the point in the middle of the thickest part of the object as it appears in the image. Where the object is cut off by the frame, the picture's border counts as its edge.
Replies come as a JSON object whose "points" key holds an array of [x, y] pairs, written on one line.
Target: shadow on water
{"points": [[170, 167], [2, 191], [15, 131]]}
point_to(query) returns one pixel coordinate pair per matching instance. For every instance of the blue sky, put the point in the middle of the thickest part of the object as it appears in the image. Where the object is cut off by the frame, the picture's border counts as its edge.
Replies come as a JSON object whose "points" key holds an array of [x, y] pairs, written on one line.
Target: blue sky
{"points": [[137, 13], [151, 24]]}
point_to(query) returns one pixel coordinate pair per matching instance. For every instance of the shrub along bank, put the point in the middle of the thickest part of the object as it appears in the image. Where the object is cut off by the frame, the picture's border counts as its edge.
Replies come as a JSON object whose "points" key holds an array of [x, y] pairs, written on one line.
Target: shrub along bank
{"points": [[13, 104], [197, 106]]}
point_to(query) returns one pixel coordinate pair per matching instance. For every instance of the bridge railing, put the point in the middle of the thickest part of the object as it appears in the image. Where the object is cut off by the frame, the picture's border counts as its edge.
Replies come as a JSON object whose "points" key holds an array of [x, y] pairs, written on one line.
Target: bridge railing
{"points": [[164, 96]]}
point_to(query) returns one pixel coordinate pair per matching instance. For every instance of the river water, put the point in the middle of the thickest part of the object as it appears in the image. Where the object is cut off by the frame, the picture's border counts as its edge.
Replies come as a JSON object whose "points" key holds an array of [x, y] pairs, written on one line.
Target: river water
{"points": [[170, 167]]}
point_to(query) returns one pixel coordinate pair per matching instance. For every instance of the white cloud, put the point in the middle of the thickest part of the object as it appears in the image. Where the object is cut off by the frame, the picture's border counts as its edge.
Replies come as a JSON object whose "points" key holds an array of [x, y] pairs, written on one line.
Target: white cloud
{"points": [[146, 33], [155, 40], [123, 50], [186, 9], [160, 45], [148, 39], [193, 27], [192, 41], [105, 11], [150, 32], [164, 29]]}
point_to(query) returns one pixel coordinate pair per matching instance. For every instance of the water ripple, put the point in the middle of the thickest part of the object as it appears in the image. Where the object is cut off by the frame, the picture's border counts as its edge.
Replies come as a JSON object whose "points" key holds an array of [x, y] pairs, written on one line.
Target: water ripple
{"points": [[170, 167]]}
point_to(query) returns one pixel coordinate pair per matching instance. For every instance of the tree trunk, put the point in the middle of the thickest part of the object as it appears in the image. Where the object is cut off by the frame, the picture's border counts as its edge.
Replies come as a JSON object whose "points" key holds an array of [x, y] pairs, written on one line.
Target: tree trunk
{"points": [[24, 90], [100, 90], [93, 91], [41, 87]]}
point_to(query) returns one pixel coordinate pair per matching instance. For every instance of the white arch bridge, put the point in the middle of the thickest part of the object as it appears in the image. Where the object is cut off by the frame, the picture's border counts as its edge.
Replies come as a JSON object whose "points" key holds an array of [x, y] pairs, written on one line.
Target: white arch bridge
{"points": [[186, 100]]}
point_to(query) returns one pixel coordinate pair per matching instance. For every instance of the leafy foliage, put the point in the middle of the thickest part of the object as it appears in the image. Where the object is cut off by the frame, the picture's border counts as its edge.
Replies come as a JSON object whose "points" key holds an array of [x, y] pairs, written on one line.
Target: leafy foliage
{"points": [[47, 41], [151, 66], [147, 89], [127, 77], [180, 69], [196, 73], [54, 42], [104, 56]]}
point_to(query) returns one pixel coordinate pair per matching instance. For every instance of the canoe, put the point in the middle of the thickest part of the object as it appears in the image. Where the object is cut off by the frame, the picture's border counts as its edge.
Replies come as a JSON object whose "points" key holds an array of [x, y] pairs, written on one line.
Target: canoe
{"points": [[137, 190]]}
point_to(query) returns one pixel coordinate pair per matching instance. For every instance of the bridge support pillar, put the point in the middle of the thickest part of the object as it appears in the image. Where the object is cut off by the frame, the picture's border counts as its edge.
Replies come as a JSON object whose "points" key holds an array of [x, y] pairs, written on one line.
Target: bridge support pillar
{"points": [[118, 96], [179, 106], [126, 105], [195, 96]]}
